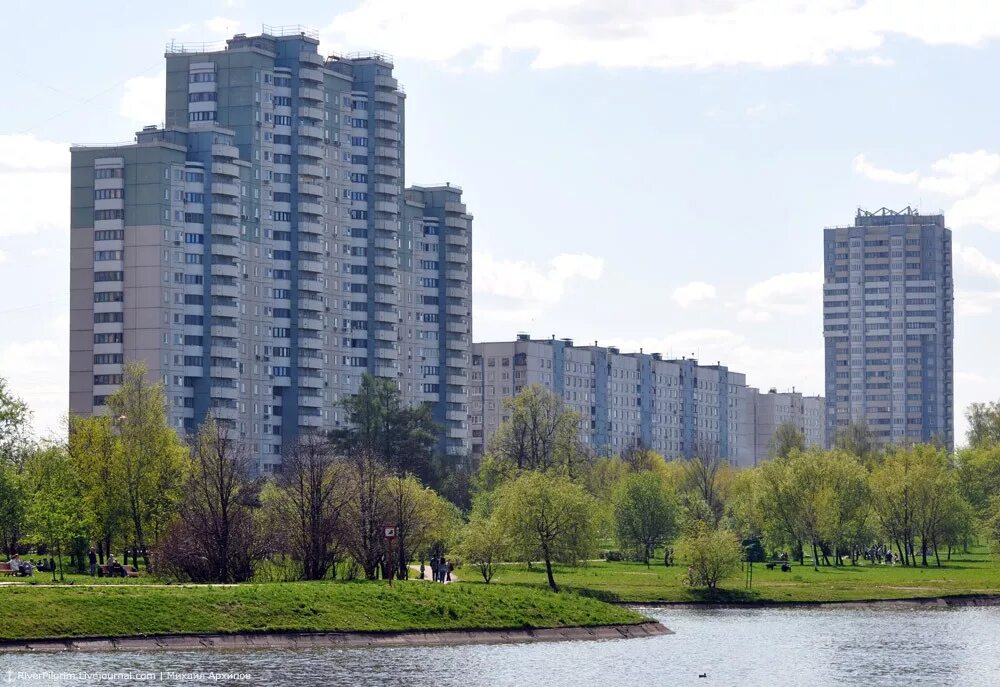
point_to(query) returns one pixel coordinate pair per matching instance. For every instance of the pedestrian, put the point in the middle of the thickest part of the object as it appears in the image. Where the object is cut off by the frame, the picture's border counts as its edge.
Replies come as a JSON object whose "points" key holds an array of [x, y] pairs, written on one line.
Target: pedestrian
{"points": [[421, 570], [451, 566], [434, 568], [92, 557], [442, 569]]}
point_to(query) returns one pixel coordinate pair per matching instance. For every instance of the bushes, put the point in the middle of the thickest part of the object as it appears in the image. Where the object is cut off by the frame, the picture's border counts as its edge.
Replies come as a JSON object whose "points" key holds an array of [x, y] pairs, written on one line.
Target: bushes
{"points": [[713, 555]]}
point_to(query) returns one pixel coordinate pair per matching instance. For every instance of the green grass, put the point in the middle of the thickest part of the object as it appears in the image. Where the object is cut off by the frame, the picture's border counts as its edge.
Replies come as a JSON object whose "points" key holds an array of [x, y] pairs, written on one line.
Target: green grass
{"points": [[36, 612], [975, 573]]}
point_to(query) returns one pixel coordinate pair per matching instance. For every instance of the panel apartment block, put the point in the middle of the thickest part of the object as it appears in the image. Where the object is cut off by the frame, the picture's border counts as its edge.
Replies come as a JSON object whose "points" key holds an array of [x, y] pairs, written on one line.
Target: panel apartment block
{"points": [[772, 409], [675, 407], [888, 322], [260, 253]]}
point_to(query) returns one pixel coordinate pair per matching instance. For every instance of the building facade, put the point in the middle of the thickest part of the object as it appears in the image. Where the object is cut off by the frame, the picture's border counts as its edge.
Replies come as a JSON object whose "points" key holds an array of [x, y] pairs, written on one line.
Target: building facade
{"points": [[259, 253], [772, 409], [888, 323], [675, 407]]}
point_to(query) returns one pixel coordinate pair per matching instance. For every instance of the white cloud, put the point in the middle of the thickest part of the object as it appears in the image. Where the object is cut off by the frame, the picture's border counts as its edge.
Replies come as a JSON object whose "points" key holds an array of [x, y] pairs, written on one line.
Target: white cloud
{"points": [[183, 28], [751, 315], [972, 260], [520, 291], [790, 293], [34, 184], [975, 303], [693, 293], [874, 61], [144, 98], [870, 171], [223, 25], [663, 34], [37, 372]]}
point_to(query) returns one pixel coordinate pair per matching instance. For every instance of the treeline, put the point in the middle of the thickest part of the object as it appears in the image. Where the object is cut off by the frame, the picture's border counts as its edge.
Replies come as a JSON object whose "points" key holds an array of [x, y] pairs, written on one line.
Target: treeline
{"points": [[195, 510]]}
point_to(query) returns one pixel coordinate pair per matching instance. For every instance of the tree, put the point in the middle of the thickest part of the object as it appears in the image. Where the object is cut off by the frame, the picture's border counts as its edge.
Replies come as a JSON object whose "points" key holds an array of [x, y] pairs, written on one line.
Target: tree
{"points": [[424, 521], [645, 515], [401, 438], [984, 425], [217, 510], [712, 556], [15, 434], [547, 515], [787, 437], [152, 456], [13, 505], [366, 510], [54, 503], [857, 439], [95, 450], [979, 468], [311, 497], [484, 545], [540, 434], [705, 481]]}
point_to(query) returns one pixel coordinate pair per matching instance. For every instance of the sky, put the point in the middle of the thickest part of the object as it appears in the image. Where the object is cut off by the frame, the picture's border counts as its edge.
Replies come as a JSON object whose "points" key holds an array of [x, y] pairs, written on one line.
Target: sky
{"points": [[643, 173]]}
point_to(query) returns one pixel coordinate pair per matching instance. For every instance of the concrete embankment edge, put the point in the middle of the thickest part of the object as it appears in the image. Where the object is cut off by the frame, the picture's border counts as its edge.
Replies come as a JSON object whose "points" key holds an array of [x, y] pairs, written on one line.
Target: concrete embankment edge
{"points": [[338, 640], [916, 601]]}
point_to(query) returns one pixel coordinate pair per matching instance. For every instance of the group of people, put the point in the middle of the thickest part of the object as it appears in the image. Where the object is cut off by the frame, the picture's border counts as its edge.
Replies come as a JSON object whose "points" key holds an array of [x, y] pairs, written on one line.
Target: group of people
{"points": [[879, 553], [440, 569], [19, 567]]}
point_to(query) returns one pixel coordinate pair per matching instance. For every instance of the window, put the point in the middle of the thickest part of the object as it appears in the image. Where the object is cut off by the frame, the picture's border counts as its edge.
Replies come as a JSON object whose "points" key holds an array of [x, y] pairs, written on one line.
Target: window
{"points": [[109, 214], [193, 258], [361, 141], [190, 197], [208, 116], [109, 276], [116, 173], [107, 296], [206, 96], [114, 337], [428, 264], [429, 282], [202, 77], [197, 177], [109, 235], [107, 379], [194, 238], [108, 193], [285, 120], [107, 255], [281, 101], [108, 359], [104, 317]]}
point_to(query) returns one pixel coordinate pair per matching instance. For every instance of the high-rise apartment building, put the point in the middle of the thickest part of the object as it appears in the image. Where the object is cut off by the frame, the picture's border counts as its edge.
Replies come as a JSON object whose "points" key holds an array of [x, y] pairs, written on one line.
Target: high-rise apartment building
{"points": [[675, 407], [888, 321], [772, 409], [259, 253]]}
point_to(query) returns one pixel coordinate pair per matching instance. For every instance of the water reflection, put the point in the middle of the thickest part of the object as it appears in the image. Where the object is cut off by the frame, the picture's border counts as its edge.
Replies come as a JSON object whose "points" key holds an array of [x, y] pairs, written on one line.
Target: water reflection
{"points": [[828, 646]]}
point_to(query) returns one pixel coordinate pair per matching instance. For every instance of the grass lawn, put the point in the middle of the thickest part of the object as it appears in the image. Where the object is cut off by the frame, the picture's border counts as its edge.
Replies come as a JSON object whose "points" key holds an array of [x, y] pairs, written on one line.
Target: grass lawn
{"points": [[35, 611], [977, 572]]}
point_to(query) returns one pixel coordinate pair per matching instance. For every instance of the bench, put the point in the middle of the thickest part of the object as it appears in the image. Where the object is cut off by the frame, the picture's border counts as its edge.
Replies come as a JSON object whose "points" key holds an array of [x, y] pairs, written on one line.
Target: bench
{"points": [[5, 569], [125, 571]]}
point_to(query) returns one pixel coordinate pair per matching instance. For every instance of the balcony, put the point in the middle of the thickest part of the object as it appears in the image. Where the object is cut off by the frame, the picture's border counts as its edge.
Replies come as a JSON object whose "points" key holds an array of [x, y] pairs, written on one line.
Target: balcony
{"points": [[387, 134], [388, 171], [225, 290], [310, 131], [386, 206], [310, 151], [386, 371], [225, 169], [457, 222], [457, 291], [384, 334], [224, 372], [386, 115], [462, 310], [388, 189], [310, 323], [456, 239], [456, 415], [308, 170], [452, 206], [310, 265], [457, 326], [308, 208], [223, 150], [388, 97], [229, 250], [386, 353], [386, 82], [226, 209], [311, 94], [387, 244], [225, 309], [311, 113], [387, 152], [458, 380], [386, 298], [310, 74], [461, 273], [389, 279], [309, 189], [225, 331], [387, 261], [386, 316], [229, 230], [308, 233], [224, 189]]}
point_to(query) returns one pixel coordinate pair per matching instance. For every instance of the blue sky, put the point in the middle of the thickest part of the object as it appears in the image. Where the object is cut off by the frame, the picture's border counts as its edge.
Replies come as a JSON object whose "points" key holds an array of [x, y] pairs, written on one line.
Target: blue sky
{"points": [[651, 173]]}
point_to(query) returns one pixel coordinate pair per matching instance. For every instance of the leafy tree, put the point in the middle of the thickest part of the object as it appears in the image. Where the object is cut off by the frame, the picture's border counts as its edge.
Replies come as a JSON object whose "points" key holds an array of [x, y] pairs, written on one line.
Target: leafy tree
{"points": [[310, 499], [54, 504], [13, 505], [787, 437], [15, 433], [547, 515], [979, 469], [401, 438], [857, 439], [152, 458], [484, 545], [540, 434], [645, 515], [366, 512], [984, 425], [712, 555], [424, 520], [217, 509], [95, 450], [705, 482]]}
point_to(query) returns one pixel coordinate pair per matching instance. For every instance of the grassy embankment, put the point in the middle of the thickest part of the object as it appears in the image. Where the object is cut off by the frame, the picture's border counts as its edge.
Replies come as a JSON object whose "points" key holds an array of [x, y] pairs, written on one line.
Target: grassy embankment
{"points": [[35, 612], [977, 572]]}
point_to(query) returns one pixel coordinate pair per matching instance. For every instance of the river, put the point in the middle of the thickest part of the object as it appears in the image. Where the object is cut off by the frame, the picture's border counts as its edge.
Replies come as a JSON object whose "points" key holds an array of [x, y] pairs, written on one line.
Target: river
{"points": [[880, 645]]}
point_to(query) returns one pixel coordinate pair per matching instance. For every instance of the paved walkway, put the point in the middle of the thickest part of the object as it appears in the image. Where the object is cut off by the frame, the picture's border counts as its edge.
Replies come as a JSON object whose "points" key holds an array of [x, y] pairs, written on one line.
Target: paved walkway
{"points": [[415, 573]]}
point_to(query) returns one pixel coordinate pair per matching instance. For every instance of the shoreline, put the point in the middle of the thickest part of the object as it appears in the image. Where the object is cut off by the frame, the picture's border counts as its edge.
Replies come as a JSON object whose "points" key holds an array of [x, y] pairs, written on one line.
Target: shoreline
{"points": [[958, 600], [335, 640]]}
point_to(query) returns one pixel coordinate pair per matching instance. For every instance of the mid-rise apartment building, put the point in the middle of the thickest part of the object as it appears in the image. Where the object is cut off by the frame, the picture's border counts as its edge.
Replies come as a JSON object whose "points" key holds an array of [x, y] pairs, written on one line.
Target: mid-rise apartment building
{"points": [[678, 408], [259, 253], [772, 409], [888, 322]]}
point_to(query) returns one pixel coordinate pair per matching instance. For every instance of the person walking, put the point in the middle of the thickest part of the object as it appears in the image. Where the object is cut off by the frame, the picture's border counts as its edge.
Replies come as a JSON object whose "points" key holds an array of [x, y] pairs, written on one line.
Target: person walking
{"points": [[451, 566], [92, 557]]}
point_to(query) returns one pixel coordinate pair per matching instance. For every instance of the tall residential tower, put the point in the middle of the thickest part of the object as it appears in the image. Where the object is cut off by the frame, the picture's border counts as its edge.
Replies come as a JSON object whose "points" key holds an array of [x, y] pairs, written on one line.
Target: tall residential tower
{"points": [[888, 321], [259, 253]]}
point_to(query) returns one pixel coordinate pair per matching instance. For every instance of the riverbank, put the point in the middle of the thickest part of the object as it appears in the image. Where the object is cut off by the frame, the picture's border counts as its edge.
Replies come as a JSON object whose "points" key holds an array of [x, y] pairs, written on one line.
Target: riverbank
{"points": [[106, 612], [972, 575], [339, 640]]}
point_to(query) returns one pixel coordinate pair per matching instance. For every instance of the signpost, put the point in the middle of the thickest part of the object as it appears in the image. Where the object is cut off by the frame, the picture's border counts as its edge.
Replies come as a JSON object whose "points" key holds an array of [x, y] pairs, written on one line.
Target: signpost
{"points": [[391, 532]]}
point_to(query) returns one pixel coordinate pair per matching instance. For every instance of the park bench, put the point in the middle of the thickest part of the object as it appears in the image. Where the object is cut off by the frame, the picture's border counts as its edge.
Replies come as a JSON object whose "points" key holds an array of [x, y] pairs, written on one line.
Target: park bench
{"points": [[5, 569], [126, 571]]}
